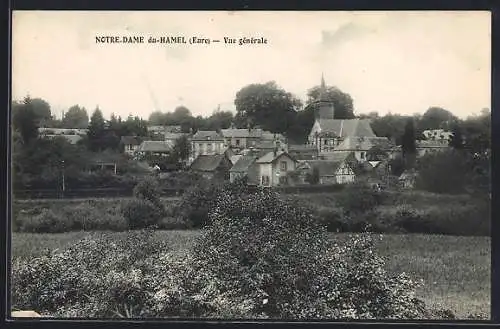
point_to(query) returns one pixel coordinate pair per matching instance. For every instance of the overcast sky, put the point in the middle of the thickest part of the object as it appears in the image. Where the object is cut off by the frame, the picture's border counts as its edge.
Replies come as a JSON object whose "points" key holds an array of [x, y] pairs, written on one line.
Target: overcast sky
{"points": [[399, 62]]}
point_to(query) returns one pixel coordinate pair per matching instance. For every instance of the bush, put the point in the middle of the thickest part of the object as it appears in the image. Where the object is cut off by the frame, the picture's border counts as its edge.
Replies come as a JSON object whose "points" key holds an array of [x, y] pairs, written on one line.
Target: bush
{"points": [[269, 258], [174, 223], [47, 221], [96, 277], [149, 190], [359, 198], [141, 214]]}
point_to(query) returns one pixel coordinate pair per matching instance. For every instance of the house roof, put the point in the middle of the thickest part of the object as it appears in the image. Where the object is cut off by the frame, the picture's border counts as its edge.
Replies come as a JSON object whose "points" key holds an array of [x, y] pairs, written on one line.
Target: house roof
{"points": [[302, 148], [207, 135], [241, 133], [207, 162], [243, 163], [235, 158], [431, 144], [345, 128], [270, 157], [338, 155], [171, 135], [73, 139], [130, 140], [155, 146], [364, 143]]}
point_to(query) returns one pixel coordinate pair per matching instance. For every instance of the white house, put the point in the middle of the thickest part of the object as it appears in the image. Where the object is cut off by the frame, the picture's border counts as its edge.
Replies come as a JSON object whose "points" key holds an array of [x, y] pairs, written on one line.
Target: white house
{"points": [[273, 168]]}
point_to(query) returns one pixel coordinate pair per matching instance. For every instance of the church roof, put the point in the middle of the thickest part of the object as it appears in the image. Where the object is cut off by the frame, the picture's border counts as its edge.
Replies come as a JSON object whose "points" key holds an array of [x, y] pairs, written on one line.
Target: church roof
{"points": [[364, 143], [346, 128]]}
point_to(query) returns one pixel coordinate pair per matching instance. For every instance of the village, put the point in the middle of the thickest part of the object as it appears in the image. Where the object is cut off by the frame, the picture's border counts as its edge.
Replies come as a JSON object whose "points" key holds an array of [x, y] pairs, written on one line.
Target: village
{"points": [[338, 151]]}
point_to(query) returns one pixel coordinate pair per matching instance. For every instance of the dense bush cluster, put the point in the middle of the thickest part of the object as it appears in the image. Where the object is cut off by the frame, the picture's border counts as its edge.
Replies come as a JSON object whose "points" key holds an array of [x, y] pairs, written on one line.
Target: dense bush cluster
{"points": [[259, 257]]}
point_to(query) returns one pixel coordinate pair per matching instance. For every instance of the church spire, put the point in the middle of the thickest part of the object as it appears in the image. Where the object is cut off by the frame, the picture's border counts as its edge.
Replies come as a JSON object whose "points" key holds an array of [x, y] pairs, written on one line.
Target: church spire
{"points": [[322, 90]]}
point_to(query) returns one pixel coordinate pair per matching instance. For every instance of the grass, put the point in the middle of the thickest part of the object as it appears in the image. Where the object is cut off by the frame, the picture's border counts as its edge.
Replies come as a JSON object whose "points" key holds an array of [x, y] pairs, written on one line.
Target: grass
{"points": [[456, 270]]}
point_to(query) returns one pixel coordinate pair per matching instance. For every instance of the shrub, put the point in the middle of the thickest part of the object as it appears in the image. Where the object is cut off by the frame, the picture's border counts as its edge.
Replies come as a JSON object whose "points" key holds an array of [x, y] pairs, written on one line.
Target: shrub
{"points": [[96, 277], [47, 221], [334, 219], [358, 197], [269, 258], [149, 190], [141, 213]]}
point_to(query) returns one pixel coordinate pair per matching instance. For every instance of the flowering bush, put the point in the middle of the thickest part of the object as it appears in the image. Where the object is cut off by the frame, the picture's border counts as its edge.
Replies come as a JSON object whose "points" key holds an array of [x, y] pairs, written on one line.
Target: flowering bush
{"points": [[270, 258]]}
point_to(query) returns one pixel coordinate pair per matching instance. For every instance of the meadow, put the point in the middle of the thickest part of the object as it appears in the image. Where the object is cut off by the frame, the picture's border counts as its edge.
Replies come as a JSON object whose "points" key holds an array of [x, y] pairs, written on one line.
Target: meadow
{"points": [[455, 269]]}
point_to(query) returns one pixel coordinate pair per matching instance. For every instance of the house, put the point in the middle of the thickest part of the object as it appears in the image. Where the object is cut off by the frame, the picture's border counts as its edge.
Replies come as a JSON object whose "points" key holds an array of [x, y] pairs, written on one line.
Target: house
{"points": [[303, 152], [159, 148], [437, 134], [130, 144], [206, 143], [72, 135], [431, 146], [172, 137], [361, 147], [241, 138], [245, 167], [273, 168], [254, 138], [340, 168], [214, 166], [408, 179]]}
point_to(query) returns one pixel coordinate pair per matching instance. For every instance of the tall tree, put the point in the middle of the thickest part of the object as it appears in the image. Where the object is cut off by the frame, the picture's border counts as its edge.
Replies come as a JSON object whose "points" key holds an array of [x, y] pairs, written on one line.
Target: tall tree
{"points": [[436, 118], [157, 118], [342, 102], [266, 105], [181, 150], [25, 120], [457, 140], [96, 130], [42, 111], [391, 126], [76, 117], [408, 144]]}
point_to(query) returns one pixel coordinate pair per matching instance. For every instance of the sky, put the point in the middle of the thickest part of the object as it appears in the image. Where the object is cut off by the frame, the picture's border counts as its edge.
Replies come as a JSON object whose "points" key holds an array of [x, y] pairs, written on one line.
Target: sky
{"points": [[398, 62]]}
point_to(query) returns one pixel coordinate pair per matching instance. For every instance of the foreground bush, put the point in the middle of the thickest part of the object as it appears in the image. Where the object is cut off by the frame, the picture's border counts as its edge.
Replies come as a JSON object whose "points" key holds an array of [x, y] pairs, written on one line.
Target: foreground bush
{"points": [[270, 258]]}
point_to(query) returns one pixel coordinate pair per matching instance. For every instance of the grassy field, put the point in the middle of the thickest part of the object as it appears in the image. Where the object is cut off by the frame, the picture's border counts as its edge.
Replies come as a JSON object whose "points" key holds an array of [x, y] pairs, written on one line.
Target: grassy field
{"points": [[456, 270]]}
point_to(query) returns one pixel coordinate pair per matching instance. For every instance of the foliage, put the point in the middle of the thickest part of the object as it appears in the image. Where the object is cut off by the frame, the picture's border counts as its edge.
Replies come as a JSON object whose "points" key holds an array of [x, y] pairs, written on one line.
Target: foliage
{"points": [[181, 149], [269, 258], [443, 172], [359, 198], [149, 189], [25, 120], [436, 118], [313, 177], [95, 277], [141, 213], [76, 117], [96, 130], [342, 102], [266, 105], [408, 145]]}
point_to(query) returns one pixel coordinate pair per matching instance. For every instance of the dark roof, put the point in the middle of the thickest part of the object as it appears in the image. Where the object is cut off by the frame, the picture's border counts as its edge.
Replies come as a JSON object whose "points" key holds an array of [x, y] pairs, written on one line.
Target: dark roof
{"points": [[364, 143], [302, 148], [272, 156], [344, 128], [243, 163], [207, 162], [130, 140], [170, 135], [207, 135]]}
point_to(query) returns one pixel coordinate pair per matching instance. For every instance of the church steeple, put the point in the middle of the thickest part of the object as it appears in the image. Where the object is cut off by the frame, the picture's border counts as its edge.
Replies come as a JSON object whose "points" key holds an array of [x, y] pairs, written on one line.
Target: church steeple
{"points": [[322, 88], [325, 107]]}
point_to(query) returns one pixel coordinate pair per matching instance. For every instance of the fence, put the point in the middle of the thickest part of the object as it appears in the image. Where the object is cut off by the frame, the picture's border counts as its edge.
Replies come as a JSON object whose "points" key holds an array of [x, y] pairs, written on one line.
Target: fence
{"points": [[85, 193]]}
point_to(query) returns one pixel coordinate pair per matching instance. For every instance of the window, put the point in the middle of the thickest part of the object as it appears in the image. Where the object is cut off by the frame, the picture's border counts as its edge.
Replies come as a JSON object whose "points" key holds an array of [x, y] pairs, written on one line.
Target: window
{"points": [[325, 142], [209, 147], [283, 165], [284, 180], [237, 142], [363, 155], [265, 180]]}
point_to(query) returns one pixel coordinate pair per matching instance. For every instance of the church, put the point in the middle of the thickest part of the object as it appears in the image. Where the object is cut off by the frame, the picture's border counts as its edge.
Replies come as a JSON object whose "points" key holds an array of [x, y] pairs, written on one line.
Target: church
{"points": [[328, 132]]}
